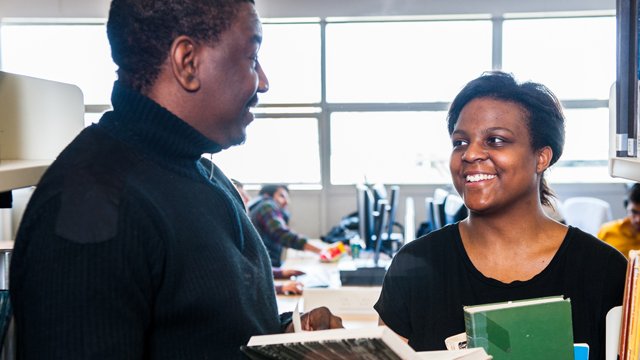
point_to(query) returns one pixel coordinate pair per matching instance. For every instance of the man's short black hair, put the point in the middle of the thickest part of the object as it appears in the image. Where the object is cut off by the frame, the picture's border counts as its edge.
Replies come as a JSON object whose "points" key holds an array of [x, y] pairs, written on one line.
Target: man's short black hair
{"points": [[633, 195], [141, 32], [270, 189]]}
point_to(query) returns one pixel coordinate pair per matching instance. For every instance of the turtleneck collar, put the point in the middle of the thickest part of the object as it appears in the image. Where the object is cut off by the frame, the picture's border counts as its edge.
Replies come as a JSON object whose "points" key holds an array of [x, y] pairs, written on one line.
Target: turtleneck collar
{"points": [[144, 123]]}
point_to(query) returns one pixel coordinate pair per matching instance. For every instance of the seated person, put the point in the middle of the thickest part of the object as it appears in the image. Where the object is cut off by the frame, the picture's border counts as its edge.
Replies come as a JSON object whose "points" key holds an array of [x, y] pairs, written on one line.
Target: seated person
{"points": [[243, 193], [624, 234], [270, 216], [289, 287], [504, 135]]}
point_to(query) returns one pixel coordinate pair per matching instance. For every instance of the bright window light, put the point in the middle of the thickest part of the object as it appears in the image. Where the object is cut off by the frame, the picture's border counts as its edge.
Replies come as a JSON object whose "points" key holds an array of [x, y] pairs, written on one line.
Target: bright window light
{"points": [[276, 150], [574, 57], [75, 54], [390, 147], [404, 61], [290, 57]]}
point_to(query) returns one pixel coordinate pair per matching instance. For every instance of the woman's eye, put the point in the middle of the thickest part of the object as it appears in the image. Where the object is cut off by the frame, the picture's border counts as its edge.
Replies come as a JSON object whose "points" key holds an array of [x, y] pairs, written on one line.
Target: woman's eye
{"points": [[459, 142], [496, 140]]}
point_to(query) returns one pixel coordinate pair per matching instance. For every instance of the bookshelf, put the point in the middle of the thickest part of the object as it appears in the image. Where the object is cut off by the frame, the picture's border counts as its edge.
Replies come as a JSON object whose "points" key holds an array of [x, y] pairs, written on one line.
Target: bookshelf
{"points": [[623, 101], [38, 118]]}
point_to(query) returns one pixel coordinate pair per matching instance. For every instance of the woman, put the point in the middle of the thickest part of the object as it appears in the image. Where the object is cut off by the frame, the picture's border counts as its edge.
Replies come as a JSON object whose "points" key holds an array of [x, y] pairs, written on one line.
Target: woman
{"points": [[504, 135]]}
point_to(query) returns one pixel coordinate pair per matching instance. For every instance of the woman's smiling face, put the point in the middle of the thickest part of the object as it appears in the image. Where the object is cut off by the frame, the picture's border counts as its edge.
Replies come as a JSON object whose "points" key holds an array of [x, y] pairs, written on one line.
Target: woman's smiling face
{"points": [[493, 164]]}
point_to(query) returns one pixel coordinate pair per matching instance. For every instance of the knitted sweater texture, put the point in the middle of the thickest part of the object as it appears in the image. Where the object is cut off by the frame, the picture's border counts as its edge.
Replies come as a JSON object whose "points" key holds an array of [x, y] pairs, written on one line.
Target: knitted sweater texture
{"points": [[128, 251]]}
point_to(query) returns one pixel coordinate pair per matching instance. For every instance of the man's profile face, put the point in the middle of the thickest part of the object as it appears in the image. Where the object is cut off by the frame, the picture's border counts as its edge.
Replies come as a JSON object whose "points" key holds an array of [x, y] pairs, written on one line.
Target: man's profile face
{"points": [[633, 211], [281, 197], [231, 79]]}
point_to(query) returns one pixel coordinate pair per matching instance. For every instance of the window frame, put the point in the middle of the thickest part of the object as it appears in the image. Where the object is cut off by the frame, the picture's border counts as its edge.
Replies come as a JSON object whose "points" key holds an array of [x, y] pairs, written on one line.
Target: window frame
{"points": [[322, 110]]}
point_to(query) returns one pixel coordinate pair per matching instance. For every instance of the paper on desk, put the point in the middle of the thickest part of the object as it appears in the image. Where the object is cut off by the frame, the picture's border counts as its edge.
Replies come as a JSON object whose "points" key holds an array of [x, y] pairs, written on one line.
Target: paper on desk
{"points": [[295, 318]]}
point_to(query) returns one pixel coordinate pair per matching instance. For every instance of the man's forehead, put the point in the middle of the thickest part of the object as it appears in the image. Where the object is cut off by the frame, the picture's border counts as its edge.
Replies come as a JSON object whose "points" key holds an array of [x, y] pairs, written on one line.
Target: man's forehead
{"points": [[249, 22]]}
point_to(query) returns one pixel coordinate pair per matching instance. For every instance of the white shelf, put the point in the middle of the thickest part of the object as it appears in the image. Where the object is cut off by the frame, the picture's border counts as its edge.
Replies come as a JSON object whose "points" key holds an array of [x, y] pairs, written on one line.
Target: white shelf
{"points": [[38, 118], [626, 168], [21, 173]]}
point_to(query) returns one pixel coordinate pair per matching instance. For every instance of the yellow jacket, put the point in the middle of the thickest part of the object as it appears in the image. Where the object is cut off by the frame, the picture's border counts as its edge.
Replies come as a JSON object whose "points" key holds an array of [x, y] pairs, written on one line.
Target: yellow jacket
{"points": [[621, 235]]}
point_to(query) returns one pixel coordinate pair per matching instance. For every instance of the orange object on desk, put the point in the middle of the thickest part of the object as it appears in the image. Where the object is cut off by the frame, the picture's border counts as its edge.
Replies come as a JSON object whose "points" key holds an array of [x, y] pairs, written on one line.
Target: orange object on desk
{"points": [[333, 253]]}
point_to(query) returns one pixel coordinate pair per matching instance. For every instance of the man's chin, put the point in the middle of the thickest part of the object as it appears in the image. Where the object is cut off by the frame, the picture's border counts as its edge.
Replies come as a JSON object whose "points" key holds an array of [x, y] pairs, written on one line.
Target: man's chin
{"points": [[236, 141]]}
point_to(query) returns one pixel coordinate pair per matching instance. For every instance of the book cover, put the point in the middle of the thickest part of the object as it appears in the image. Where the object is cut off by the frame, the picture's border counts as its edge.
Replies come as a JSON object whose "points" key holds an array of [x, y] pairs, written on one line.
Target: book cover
{"points": [[526, 329], [374, 343]]}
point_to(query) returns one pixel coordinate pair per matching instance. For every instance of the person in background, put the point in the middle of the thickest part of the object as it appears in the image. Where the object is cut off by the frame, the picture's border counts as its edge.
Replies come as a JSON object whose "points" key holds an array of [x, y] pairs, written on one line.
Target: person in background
{"points": [[624, 234], [269, 214], [287, 287], [505, 135], [241, 190], [129, 248]]}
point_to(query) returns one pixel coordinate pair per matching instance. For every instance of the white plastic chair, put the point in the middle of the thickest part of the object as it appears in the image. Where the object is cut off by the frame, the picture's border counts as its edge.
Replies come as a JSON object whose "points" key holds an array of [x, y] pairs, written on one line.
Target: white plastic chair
{"points": [[586, 213]]}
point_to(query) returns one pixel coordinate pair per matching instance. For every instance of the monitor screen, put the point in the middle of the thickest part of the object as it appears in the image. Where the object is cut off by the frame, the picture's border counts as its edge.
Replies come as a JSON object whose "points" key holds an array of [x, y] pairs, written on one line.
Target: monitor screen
{"points": [[365, 205]]}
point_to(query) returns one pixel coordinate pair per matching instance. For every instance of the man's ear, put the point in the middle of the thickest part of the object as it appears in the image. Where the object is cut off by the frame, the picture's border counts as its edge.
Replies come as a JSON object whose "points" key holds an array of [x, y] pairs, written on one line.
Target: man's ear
{"points": [[184, 62], [544, 159]]}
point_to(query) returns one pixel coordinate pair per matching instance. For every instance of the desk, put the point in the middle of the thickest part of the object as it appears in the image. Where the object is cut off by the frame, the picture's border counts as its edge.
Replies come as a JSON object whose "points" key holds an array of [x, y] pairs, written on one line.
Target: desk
{"points": [[353, 304]]}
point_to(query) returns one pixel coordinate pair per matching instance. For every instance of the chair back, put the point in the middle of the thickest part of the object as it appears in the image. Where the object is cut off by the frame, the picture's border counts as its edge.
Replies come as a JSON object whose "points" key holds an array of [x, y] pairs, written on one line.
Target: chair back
{"points": [[454, 209], [586, 213]]}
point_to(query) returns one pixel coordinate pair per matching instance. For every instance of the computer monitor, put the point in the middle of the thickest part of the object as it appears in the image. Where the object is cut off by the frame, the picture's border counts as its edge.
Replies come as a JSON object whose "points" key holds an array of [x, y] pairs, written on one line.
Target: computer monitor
{"points": [[454, 209], [365, 206], [379, 192], [435, 208], [369, 273], [394, 198], [382, 217]]}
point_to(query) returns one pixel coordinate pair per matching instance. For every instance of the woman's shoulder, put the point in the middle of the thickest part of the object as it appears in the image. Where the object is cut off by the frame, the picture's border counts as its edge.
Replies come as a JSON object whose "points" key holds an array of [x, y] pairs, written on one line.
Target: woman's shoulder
{"points": [[434, 243], [587, 247]]}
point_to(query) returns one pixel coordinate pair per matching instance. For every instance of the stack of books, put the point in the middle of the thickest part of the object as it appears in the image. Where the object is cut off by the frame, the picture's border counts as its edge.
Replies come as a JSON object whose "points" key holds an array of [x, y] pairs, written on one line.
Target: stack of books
{"points": [[629, 325]]}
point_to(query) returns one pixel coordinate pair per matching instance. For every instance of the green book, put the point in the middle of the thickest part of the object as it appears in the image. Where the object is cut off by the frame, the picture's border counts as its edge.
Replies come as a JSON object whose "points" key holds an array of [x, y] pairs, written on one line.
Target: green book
{"points": [[525, 329]]}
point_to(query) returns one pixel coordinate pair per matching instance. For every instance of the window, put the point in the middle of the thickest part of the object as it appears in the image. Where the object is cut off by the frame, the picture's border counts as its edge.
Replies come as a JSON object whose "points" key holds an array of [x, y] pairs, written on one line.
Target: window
{"points": [[347, 94], [404, 61], [406, 147], [574, 57], [290, 56], [277, 150], [72, 53]]}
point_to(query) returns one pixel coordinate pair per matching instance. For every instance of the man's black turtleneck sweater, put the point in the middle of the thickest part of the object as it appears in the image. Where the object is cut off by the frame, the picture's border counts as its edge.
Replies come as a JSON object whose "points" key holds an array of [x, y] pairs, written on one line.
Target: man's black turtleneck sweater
{"points": [[127, 250]]}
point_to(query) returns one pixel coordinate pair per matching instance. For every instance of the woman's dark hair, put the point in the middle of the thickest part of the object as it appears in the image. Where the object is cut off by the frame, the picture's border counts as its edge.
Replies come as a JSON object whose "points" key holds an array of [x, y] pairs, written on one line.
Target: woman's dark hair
{"points": [[270, 189], [543, 111], [141, 32]]}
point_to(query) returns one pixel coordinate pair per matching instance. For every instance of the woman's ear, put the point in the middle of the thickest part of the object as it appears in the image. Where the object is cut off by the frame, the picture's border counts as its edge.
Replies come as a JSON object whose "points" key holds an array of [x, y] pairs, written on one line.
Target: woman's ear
{"points": [[184, 62], [544, 159]]}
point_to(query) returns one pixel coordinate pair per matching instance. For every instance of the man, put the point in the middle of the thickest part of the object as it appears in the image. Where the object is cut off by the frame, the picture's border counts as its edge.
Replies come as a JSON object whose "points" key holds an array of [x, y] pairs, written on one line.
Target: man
{"points": [[128, 248], [270, 216], [624, 234], [286, 287]]}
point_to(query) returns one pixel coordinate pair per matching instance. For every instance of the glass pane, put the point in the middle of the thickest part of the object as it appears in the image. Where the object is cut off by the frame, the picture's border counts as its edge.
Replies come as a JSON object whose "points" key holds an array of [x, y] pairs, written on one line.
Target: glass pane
{"points": [[405, 61], [586, 148], [76, 54], [390, 147], [574, 57], [586, 134], [276, 151], [290, 56]]}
